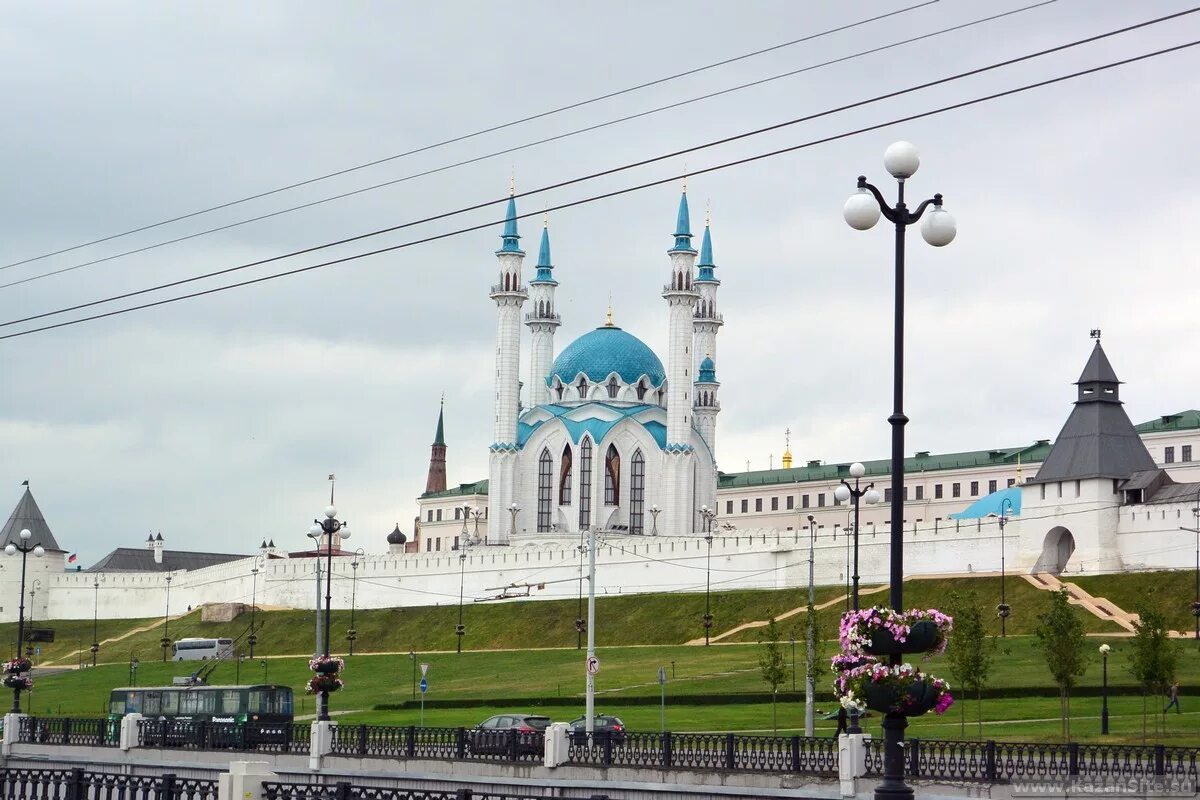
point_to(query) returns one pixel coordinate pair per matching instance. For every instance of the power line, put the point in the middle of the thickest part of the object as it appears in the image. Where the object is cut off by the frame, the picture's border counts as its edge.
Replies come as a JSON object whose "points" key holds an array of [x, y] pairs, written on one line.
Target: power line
{"points": [[517, 148], [611, 171], [592, 199], [480, 132]]}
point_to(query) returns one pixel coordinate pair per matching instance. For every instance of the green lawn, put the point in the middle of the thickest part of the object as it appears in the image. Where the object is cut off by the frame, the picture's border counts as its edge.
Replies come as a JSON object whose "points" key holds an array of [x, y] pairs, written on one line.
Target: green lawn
{"points": [[1171, 593]]}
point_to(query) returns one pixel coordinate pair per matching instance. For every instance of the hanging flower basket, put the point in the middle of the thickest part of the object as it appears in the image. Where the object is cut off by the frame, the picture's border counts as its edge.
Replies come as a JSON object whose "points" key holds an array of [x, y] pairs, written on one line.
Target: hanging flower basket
{"points": [[17, 665], [894, 690], [326, 665], [324, 683], [21, 682], [844, 662], [884, 631]]}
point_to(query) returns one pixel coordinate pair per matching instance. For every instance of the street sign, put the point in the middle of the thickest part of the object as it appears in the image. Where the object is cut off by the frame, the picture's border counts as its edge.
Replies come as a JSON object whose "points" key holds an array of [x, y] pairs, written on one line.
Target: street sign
{"points": [[424, 685], [593, 665], [424, 669], [662, 676]]}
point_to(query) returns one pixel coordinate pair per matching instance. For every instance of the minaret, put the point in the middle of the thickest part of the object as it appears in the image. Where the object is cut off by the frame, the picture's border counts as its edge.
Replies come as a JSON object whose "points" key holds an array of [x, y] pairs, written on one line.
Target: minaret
{"points": [[681, 296], [542, 321], [706, 406], [509, 295], [707, 321], [436, 480]]}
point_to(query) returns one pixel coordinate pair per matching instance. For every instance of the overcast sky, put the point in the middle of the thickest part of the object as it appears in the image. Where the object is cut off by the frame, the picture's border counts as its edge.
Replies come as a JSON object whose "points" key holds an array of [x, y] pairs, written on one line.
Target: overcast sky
{"points": [[217, 420]]}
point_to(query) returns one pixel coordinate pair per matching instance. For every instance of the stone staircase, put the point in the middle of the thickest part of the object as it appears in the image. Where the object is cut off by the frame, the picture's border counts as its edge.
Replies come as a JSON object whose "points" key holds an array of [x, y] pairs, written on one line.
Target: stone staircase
{"points": [[1100, 607]]}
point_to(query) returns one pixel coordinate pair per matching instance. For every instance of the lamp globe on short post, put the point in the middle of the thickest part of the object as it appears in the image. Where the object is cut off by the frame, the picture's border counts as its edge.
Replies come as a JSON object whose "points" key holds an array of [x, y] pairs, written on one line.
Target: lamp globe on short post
{"points": [[1003, 609], [857, 494], [654, 512], [1104, 649], [514, 509], [707, 514], [24, 548], [327, 528], [861, 212]]}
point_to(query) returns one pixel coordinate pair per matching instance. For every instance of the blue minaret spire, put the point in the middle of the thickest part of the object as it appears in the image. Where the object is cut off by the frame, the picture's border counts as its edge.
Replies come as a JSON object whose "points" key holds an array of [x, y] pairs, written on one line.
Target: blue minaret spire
{"points": [[706, 257], [510, 235], [545, 266], [683, 225]]}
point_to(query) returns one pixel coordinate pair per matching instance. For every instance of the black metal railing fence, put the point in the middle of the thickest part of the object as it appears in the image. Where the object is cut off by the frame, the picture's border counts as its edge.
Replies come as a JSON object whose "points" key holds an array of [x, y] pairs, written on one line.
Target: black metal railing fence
{"points": [[84, 784]]}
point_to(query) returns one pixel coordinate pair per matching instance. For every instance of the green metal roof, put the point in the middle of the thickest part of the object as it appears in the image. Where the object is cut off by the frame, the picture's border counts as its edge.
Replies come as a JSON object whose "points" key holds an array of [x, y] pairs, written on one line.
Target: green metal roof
{"points": [[1031, 454], [1184, 420], [462, 490]]}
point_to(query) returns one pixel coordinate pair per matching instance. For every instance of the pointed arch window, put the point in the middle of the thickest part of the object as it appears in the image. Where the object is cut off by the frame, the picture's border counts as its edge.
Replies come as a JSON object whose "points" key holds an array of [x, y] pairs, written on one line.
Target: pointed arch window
{"points": [[585, 483], [582, 386], [559, 388], [612, 477], [641, 389], [545, 487], [637, 493], [613, 387], [564, 477]]}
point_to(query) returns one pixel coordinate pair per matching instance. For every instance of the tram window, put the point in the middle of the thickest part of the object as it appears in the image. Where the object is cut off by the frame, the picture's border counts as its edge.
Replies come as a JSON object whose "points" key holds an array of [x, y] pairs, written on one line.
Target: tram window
{"points": [[170, 703], [117, 704], [133, 702], [197, 703], [151, 703], [231, 701], [270, 702]]}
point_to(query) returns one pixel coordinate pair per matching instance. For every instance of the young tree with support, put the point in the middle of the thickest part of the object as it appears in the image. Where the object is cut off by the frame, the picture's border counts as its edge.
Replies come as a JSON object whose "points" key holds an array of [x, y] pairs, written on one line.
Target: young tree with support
{"points": [[970, 651], [773, 665], [1064, 644]]}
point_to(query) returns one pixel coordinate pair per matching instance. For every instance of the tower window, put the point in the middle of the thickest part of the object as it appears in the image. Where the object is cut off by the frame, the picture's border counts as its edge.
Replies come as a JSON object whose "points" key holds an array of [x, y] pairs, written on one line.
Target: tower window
{"points": [[564, 477], [545, 475], [560, 389], [613, 388], [637, 493], [582, 386], [641, 390], [585, 483], [612, 477]]}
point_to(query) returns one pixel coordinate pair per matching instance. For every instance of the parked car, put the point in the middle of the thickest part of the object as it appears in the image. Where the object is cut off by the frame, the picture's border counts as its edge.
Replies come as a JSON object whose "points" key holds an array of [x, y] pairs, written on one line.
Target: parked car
{"points": [[604, 727], [495, 734]]}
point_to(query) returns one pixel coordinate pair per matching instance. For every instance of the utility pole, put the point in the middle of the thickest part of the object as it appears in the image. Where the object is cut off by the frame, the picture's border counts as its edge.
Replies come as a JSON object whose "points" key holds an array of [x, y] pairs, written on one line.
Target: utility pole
{"points": [[808, 670], [590, 706]]}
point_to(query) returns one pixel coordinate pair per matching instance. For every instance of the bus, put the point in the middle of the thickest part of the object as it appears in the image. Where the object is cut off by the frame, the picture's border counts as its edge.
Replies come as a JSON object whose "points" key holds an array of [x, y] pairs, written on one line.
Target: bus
{"points": [[202, 649], [225, 715]]}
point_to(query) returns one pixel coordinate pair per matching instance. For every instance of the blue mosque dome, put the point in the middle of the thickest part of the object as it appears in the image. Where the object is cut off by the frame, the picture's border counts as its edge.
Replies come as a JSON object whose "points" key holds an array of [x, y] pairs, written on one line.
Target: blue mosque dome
{"points": [[608, 349]]}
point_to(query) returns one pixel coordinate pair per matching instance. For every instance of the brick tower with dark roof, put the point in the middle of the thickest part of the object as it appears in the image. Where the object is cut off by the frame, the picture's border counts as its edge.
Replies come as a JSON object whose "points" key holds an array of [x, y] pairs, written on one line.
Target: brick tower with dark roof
{"points": [[436, 480]]}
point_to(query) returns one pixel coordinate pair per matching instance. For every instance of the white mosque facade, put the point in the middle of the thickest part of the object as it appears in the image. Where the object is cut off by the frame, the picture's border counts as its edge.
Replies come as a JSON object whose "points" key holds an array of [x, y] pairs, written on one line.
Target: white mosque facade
{"points": [[616, 441]]}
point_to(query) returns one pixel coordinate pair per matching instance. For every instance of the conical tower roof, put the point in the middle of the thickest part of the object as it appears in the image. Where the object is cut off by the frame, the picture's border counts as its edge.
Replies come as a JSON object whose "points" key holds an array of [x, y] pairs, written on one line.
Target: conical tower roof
{"points": [[27, 515]]}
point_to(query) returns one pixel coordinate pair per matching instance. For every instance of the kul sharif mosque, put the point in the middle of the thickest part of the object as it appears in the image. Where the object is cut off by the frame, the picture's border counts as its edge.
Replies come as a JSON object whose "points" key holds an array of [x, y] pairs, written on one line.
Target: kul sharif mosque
{"points": [[611, 439]]}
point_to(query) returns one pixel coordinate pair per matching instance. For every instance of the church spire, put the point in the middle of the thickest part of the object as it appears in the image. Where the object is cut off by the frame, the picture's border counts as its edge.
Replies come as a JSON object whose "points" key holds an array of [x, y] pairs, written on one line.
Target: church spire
{"points": [[435, 481]]}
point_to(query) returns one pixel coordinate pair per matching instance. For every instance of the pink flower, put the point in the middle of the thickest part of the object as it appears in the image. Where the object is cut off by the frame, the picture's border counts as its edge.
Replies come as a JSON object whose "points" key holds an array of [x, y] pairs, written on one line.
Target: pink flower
{"points": [[943, 703]]}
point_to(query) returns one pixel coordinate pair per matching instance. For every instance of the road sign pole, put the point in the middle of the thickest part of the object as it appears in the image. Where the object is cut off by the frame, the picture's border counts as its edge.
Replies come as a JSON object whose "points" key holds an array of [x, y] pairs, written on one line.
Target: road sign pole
{"points": [[424, 689], [662, 711], [422, 709], [590, 706]]}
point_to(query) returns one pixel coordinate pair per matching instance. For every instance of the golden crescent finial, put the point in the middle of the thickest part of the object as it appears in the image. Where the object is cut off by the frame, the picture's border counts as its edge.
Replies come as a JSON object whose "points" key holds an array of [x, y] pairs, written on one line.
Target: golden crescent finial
{"points": [[512, 182]]}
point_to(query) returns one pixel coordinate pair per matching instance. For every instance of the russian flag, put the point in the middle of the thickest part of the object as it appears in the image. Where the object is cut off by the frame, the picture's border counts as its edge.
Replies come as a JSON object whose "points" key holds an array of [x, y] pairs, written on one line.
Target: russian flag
{"points": [[71, 559]]}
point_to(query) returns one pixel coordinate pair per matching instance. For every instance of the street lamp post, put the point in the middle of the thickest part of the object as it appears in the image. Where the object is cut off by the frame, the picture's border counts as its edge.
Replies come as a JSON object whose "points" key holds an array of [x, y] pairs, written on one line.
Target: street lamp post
{"points": [[809, 689], [654, 512], [327, 528], [460, 630], [12, 548], [708, 514], [1104, 648], [792, 642], [412, 656], [260, 562], [352, 634], [514, 509], [1003, 609], [95, 619], [133, 667], [165, 641], [1196, 600], [861, 212], [32, 609], [856, 493]]}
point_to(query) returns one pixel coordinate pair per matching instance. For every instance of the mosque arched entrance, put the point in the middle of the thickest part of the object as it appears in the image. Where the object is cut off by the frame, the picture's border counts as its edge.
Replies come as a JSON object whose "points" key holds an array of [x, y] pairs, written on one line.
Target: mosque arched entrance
{"points": [[1057, 548]]}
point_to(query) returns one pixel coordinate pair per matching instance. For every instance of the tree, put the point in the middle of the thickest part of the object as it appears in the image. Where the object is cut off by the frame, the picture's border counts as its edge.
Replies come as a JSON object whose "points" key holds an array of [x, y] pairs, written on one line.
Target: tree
{"points": [[970, 650], [1063, 642], [772, 664], [1152, 659]]}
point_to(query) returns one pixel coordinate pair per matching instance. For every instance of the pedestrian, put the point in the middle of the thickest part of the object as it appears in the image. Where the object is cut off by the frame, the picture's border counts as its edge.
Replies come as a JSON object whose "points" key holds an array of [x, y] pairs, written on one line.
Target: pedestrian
{"points": [[841, 722], [1173, 697]]}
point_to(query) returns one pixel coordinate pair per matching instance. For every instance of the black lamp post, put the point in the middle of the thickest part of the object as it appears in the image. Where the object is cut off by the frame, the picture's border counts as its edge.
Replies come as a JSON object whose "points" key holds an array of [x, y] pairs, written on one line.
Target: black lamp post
{"points": [[12, 548], [260, 562], [1004, 609], [792, 642], [32, 609], [708, 514], [133, 667], [460, 630], [412, 656], [327, 528], [1104, 648], [165, 641], [1196, 600], [264, 669], [95, 619], [861, 212], [855, 494], [352, 634]]}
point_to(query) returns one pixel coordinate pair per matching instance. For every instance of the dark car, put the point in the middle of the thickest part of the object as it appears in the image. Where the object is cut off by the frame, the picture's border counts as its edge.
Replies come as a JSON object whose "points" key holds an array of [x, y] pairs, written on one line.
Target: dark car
{"points": [[604, 727], [497, 734]]}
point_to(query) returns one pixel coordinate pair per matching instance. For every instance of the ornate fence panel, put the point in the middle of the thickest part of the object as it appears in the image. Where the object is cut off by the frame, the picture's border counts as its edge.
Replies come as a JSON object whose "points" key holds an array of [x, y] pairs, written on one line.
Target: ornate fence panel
{"points": [[82, 784], [710, 751], [344, 790], [95, 732]]}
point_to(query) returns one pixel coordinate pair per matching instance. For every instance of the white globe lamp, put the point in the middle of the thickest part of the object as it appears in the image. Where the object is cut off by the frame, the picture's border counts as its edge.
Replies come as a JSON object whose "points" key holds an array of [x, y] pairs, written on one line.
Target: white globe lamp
{"points": [[25, 534], [841, 493], [39, 551], [901, 160], [857, 470], [871, 497], [861, 211], [938, 227], [330, 512]]}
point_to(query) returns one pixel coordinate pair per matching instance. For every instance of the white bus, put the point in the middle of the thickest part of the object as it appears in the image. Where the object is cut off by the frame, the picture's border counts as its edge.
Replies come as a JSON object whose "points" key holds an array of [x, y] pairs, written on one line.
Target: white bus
{"points": [[202, 649]]}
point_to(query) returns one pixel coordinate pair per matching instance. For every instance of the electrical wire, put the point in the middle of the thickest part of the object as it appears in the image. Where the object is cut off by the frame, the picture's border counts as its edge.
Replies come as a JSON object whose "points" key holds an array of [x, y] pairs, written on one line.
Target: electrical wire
{"points": [[516, 148], [481, 132], [571, 204]]}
